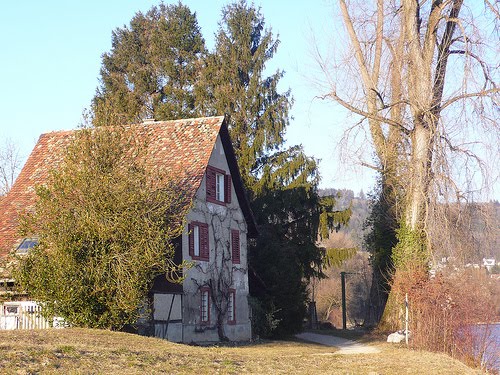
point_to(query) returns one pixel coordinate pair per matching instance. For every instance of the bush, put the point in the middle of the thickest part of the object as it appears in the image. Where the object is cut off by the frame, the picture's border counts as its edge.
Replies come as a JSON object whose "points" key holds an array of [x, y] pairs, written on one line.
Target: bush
{"points": [[106, 223], [445, 311]]}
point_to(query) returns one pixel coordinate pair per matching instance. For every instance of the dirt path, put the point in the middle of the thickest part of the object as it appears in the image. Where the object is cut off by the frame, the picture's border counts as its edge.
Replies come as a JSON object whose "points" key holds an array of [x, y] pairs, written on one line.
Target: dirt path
{"points": [[345, 346]]}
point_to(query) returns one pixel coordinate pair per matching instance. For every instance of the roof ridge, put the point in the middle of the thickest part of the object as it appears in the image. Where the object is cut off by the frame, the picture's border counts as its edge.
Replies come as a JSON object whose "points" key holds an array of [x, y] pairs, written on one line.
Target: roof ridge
{"points": [[155, 122]]}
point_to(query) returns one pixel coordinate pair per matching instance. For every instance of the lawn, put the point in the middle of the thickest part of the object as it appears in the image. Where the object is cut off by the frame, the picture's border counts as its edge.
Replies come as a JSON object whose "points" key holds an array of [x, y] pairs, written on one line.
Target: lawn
{"points": [[96, 351]]}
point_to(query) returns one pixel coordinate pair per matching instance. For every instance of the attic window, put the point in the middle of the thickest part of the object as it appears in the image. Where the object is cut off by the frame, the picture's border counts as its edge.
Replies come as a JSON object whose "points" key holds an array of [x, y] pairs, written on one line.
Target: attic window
{"points": [[26, 245], [218, 185]]}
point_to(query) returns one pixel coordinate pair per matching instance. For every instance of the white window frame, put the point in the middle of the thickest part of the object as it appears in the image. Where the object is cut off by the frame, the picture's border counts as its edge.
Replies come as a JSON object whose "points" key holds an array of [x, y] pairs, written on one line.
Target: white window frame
{"points": [[196, 238], [231, 307], [219, 187]]}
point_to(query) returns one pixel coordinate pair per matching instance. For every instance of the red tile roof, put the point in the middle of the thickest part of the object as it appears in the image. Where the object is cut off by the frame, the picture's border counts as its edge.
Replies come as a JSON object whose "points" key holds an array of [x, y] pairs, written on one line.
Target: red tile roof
{"points": [[182, 147]]}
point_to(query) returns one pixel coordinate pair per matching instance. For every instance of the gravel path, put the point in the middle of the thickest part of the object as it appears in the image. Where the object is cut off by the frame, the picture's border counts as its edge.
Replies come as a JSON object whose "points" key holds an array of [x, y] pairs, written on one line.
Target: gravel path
{"points": [[345, 346]]}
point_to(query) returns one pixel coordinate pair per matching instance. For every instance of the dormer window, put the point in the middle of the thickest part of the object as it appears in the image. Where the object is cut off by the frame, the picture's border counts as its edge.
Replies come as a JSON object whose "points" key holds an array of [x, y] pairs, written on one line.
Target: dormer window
{"points": [[218, 185], [25, 246]]}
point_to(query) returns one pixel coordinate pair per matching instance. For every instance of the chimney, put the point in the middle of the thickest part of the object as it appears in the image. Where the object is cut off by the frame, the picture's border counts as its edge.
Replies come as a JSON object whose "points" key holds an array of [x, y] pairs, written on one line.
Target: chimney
{"points": [[148, 120]]}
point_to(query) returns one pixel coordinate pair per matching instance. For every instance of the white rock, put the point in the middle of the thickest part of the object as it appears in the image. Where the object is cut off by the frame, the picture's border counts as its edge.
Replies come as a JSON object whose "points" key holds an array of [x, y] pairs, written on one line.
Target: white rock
{"points": [[396, 337]]}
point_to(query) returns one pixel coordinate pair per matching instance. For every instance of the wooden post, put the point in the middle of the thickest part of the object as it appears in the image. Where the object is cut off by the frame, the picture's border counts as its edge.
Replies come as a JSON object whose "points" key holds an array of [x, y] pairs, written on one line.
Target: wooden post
{"points": [[406, 319], [344, 313]]}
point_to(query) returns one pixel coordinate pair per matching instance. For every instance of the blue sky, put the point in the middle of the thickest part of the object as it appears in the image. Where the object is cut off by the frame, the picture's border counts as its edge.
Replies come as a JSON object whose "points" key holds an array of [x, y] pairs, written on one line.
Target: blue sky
{"points": [[51, 55]]}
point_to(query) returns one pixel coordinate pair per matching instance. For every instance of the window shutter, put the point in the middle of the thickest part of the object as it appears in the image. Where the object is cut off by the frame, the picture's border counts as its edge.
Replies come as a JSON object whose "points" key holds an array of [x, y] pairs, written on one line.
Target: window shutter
{"points": [[204, 248], [210, 184], [227, 186], [191, 239], [235, 244]]}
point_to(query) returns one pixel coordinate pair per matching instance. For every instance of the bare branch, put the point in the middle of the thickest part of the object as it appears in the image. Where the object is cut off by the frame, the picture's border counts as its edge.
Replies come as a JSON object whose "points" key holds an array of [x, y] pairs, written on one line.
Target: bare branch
{"points": [[378, 41], [457, 98], [486, 72], [495, 11], [10, 164], [365, 114]]}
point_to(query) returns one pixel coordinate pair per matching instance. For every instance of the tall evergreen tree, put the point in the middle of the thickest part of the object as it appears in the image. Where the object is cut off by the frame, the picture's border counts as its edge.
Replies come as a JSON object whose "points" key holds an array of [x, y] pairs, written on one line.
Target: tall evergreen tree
{"points": [[282, 181], [233, 84], [151, 68]]}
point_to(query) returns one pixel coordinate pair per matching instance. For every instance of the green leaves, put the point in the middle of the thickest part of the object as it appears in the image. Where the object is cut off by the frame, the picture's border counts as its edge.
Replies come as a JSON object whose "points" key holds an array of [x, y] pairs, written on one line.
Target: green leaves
{"points": [[106, 222], [151, 69], [158, 67], [282, 182], [233, 83]]}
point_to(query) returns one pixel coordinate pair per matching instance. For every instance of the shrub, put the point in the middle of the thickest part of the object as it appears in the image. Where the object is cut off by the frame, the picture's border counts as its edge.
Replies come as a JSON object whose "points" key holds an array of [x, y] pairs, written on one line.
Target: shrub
{"points": [[445, 311]]}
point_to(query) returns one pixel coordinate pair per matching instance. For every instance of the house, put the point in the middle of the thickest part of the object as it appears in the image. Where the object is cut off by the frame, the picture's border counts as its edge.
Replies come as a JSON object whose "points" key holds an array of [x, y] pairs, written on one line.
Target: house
{"points": [[218, 227]]}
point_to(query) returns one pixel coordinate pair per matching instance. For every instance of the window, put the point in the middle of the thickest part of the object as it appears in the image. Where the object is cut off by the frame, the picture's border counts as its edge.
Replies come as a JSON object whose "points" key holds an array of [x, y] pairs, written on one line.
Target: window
{"points": [[205, 306], [26, 245], [11, 309], [235, 245], [196, 236], [231, 307], [218, 185], [198, 241]]}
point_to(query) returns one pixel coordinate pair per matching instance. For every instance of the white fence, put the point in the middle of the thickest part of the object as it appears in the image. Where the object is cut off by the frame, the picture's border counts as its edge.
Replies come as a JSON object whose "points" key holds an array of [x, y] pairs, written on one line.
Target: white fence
{"points": [[24, 315]]}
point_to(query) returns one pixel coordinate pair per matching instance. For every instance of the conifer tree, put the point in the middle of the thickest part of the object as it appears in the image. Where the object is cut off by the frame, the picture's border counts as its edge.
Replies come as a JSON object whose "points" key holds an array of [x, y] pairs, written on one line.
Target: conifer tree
{"points": [[233, 84], [282, 181], [151, 68]]}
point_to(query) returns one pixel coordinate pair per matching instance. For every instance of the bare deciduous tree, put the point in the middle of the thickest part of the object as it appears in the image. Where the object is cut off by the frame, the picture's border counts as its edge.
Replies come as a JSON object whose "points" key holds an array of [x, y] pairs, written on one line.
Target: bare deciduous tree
{"points": [[10, 163], [422, 77], [423, 85]]}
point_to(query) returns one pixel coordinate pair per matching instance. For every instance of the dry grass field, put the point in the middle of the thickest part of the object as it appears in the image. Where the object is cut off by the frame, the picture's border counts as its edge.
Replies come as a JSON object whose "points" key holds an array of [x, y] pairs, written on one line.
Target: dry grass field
{"points": [[94, 352]]}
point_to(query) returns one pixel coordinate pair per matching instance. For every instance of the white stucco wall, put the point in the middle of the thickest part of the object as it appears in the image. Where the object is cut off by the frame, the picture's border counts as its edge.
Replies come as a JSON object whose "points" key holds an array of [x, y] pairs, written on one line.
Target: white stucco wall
{"points": [[220, 219]]}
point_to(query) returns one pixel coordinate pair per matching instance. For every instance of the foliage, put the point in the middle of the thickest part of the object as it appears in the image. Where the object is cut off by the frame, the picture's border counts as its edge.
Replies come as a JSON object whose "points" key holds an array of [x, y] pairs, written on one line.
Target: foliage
{"points": [[264, 320], [138, 80], [382, 226], [334, 257], [445, 311], [151, 69], [411, 250], [284, 256], [233, 83], [282, 182], [105, 223], [380, 239], [330, 218]]}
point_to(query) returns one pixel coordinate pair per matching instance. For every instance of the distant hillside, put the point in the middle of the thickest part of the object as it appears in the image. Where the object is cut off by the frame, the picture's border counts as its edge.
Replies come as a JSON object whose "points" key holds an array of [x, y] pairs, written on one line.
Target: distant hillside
{"points": [[360, 211], [468, 233]]}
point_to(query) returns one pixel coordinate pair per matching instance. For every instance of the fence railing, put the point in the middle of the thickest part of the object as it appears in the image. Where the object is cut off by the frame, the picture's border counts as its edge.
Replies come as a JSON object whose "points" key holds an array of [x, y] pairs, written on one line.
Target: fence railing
{"points": [[23, 317]]}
